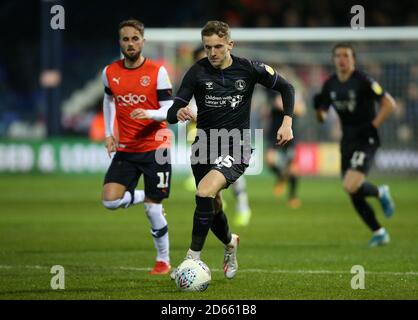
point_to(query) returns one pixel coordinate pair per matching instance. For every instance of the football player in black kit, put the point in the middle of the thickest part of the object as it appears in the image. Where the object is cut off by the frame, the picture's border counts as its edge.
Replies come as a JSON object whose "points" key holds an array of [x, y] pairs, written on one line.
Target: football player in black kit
{"points": [[222, 85], [353, 94]]}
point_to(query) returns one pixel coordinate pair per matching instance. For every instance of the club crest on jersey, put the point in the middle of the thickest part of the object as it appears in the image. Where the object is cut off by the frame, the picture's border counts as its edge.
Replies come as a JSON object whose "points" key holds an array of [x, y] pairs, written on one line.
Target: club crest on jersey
{"points": [[209, 85], [145, 81], [240, 84]]}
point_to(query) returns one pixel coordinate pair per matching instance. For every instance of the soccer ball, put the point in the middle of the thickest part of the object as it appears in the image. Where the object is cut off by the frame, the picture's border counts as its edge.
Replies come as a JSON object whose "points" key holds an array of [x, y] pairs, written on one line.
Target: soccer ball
{"points": [[193, 275]]}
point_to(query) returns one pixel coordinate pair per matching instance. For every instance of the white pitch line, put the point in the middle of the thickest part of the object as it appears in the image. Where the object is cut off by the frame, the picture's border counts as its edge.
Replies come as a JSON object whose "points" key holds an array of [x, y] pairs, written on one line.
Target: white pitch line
{"points": [[408, 273], [25, 266], [390, 273], [133, 269]]}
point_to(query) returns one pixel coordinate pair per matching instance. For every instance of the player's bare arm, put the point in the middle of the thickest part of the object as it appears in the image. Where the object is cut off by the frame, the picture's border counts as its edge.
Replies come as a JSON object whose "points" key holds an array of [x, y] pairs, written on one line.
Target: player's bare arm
{"points": [[110, 143], [387, 106], [285, 132], [185, 114], [321, 115], [179, 111], [320, 106], [150, 114], [139, 113], [165, 100], [287, 92]]}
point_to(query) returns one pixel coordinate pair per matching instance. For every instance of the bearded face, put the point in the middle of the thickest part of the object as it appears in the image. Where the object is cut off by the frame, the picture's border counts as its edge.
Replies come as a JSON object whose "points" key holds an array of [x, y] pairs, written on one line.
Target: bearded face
{"points": [[131, 42]]}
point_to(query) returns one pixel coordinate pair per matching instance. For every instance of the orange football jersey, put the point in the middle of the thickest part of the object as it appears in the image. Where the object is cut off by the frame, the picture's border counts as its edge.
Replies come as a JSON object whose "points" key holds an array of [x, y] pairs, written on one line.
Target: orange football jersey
{"points": [[137, 88]]}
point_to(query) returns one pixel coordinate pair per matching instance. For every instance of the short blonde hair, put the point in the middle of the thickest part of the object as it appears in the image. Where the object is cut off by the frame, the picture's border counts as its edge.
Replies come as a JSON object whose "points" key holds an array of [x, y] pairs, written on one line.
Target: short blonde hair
{"points": [[221, 29]]}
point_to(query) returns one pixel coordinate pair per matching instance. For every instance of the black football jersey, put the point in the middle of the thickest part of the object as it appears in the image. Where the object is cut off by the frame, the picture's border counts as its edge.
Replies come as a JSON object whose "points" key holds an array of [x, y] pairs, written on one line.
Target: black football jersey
{"points": [[223, 97], [354, 99]]}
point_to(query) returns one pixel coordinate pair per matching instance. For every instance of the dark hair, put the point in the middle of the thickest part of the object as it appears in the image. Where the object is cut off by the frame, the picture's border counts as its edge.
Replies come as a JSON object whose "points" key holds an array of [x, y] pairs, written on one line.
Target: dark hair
{"points": [[221, 29], [138, 25], [345, 45]]}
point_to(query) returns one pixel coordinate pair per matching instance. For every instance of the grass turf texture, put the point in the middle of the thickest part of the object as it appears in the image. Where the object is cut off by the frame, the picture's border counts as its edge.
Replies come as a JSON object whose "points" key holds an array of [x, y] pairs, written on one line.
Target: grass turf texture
{"points": [[285, 253]]}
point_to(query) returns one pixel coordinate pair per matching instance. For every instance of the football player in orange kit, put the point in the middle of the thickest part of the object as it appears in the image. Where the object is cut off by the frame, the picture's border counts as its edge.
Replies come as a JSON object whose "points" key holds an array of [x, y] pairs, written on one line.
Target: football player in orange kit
{"points": [[131, 84]]}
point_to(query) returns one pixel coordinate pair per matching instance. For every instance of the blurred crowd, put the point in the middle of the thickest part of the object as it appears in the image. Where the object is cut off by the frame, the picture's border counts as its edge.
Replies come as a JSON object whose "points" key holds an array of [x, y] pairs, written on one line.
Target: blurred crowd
{"points": [[90, 42], [315, 13], [397, 76]]}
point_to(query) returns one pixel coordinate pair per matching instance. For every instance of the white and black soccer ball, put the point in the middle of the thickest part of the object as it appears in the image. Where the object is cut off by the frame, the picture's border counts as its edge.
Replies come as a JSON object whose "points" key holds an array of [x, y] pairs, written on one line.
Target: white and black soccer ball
{"points": [[193, 275]]}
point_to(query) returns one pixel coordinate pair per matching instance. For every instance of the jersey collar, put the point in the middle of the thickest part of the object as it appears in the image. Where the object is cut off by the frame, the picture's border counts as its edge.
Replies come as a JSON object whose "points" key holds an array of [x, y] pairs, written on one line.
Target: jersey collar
{"points": [[125, 67]]}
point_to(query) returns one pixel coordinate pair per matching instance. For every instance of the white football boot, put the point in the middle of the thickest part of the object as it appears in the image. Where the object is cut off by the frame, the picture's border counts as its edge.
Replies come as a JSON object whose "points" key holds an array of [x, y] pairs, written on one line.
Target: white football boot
{"points": [[230, 257]]}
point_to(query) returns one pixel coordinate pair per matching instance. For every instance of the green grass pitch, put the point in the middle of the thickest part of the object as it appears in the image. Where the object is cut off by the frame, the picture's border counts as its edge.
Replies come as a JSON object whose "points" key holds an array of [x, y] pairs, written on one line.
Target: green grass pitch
{"points": [[284, 254]]}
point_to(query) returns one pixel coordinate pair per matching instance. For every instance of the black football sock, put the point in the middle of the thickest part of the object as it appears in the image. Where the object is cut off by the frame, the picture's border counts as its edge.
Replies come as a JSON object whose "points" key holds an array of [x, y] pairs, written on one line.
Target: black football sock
{"points": [[202, 221], [365, 211], [220, 227], [293, 182], [276, 170], [368, 189]]}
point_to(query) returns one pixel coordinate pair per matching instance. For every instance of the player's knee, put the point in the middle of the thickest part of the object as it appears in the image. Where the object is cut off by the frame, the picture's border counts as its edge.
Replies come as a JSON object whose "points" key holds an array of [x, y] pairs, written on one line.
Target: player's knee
{"points": [[112, 192], [204, 193], [270, 158], [350, 188], [111, 196], [111, 204], [293, 169], [269, 162]]}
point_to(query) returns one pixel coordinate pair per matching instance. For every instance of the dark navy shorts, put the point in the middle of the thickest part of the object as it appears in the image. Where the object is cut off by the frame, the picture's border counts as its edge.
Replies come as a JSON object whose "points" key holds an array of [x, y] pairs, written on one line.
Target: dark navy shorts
{"points": [[127, 167]]}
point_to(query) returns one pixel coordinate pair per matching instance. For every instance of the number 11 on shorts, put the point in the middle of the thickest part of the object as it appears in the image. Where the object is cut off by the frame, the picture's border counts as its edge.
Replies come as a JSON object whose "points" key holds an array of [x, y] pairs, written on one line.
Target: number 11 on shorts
{"points": [[163, 179]]}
